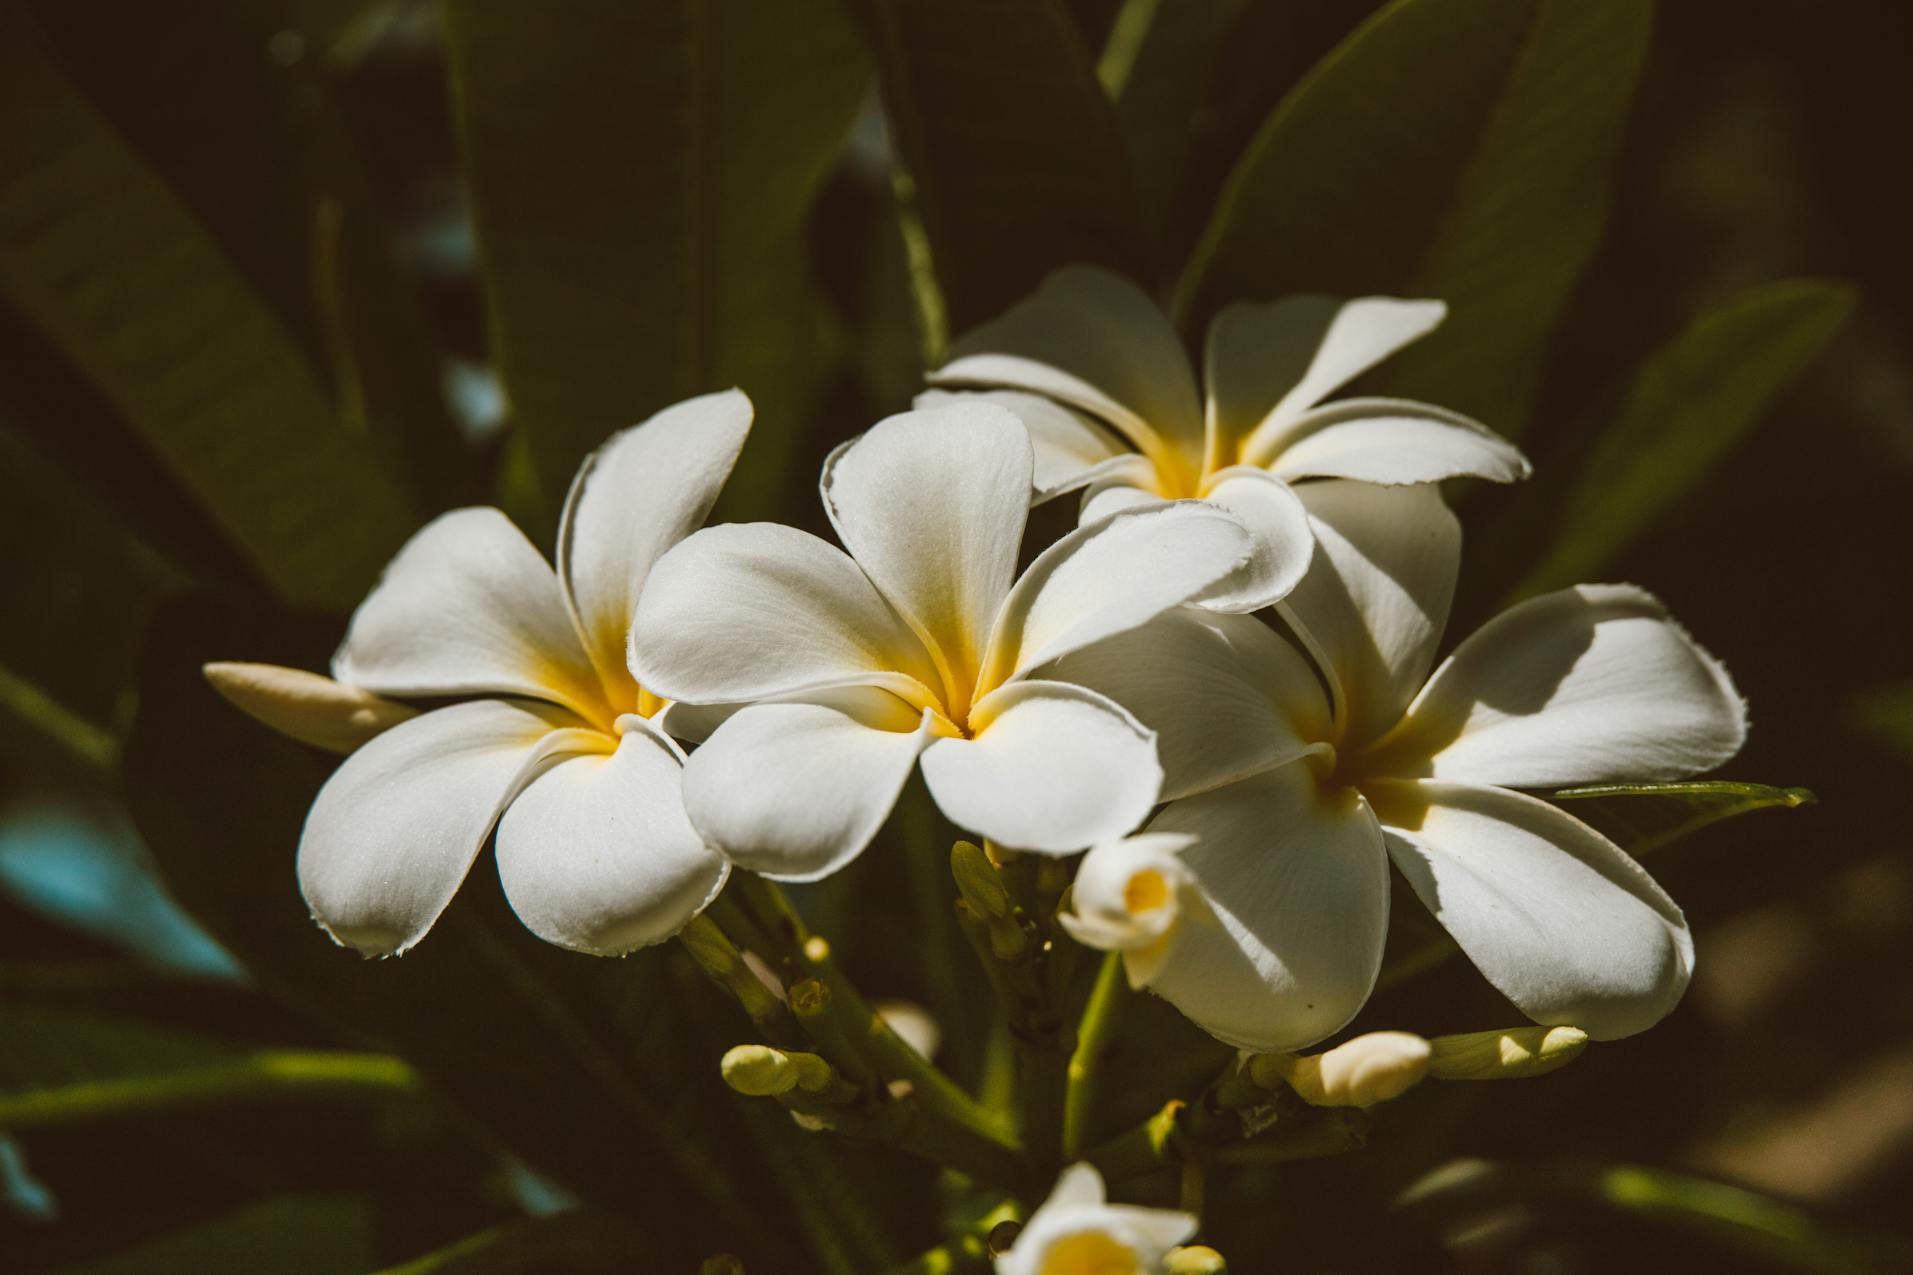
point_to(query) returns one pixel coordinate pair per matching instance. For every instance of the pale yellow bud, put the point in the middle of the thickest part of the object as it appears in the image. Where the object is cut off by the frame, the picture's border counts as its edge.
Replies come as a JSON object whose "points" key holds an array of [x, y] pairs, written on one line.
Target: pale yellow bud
{"points": [[1358, 1073], [1513, 1054], [306, 706], [1196, 1259], [763, 1072], [721, 1264]]}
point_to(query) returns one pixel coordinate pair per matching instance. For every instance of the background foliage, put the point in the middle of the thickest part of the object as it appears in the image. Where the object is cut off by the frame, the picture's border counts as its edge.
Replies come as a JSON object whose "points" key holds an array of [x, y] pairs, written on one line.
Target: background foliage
{"points": [[279, 279]]}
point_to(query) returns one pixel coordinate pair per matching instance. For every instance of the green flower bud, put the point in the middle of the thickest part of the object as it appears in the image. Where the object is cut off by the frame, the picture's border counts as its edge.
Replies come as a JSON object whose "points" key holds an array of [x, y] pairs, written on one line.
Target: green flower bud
{"points": [[1513, 1054]]}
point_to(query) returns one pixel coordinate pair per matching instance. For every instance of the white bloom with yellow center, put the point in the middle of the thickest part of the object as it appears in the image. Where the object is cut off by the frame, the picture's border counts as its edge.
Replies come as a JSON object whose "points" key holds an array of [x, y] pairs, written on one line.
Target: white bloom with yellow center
{"points": [[1078, 1232], [918, 642], [1094, 369], [1295, 785], [550, 738]]}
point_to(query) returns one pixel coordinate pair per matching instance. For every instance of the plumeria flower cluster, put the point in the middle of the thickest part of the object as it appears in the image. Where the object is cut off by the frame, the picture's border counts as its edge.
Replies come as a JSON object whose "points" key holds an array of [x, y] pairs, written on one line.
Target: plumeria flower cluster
{"points": [[1222, 683]]}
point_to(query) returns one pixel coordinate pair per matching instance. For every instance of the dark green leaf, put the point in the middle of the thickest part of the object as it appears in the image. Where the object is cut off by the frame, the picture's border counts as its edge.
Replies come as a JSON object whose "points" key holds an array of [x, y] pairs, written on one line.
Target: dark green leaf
{"points": [[1457, 149], [289, 1235], [1010, 148], [99, 254], [640, 175], [251, 143], [1643, 818], [76, 594], [1158, 67], [1683, 412]]}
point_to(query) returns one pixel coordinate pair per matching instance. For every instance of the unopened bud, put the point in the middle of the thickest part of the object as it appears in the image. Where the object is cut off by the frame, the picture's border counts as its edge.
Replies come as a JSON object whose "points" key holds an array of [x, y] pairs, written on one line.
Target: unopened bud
{"points": [[1514, 1054], [980, 883], [1358, 1073], [721, 1264], [1195, 1259], [306, 706], [758, 1070]]}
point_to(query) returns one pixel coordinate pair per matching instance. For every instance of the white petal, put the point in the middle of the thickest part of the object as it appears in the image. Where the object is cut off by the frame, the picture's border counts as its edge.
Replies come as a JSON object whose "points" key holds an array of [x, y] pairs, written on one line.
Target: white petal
{"points": [[306, 706], [1376, 596], [1153, 1232], [1077, 1186], [396, 827], [1110, 576], [1585, 685], [746, 611], [1297, 885], [468, 607], [1050, 768], [1226, 697], [1068, 445], [932, 504], [1388, 440], [1554, 914], [642, 492], [796, 791], [1284, 543], [1122, 482], [1267, 364], [1093, 340], [596, 853]]}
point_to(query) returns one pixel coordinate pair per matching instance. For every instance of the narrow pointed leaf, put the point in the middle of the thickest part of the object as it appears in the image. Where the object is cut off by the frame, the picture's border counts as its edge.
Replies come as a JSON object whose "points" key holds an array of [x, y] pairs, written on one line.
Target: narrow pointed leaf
{"points": [[640, 177], [1683, 411], [1011, 151], [98, 253], [1643, 818], [1455, 149]]}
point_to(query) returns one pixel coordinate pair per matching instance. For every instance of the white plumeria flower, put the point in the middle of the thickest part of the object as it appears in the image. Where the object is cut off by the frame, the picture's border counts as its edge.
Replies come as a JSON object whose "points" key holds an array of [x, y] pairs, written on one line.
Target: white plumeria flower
{"points": [[1089, 341], [550, 738], [1298, 790], [1078, 1232], [917, 642]]}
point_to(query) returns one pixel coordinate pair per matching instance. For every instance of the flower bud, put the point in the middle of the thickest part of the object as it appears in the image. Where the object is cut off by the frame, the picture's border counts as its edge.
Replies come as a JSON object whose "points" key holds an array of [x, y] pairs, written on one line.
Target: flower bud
{"points": [[306, 706], [1196, 1259], [1357, 1073], [1513, 1054], [980, 883], [758, 1070], [721, 1264]]}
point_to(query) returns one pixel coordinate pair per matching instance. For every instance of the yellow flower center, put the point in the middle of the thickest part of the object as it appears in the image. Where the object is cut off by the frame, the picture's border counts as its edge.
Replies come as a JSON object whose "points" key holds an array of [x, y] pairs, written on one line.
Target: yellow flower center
{"points": [[1091, 1253]]}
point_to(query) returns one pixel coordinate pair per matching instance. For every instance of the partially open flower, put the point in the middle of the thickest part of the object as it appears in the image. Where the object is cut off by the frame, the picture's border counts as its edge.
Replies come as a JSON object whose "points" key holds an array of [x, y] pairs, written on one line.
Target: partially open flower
{"points": [[549, 737], [1078, 1232], [1128, 897]]}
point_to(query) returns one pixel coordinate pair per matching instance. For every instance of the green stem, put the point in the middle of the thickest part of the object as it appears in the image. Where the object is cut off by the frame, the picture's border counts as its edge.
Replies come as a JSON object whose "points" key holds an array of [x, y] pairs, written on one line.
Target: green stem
{"points": [[1095, 1033], [268, 1076], [1143, 1149]]}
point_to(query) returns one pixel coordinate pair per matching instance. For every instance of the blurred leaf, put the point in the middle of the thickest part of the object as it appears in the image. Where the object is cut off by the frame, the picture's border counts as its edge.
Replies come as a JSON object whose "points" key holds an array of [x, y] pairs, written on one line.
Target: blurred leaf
{"points": [[1158, 66], [73, 857], [1010, 147], [1744, 1224], [76, 594], [251, 143], [1886, 713], [1684, 410], [1457, 149], [289, 1235], [1643, 818], [514, 1032], [99, 253], [49, 1046], [640, 176]]}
